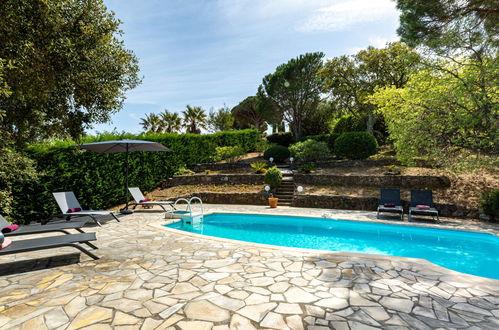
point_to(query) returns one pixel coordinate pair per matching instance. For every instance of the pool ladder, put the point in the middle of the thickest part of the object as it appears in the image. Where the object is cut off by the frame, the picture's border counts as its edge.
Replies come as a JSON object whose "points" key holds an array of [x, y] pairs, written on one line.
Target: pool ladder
{"points": [[191, 218]]}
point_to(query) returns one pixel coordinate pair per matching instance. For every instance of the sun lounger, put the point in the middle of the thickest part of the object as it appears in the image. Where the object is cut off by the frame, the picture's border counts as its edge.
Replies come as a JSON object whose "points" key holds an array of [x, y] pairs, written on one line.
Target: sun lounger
{"points": [[390, 202], [42, 229], [52, 242], [71, 208], [422, 203], [141, 200]]}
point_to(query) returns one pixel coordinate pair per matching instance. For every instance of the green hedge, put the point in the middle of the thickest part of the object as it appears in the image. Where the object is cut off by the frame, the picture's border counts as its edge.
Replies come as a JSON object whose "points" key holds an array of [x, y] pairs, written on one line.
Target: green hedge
{"points": [[98, 179]]}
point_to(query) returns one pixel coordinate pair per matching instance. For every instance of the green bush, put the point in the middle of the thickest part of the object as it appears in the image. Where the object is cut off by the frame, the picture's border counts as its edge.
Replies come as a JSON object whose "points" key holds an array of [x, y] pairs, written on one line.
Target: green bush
{"points": [[98, 179], [273, 177], [355, 145], [183, 171], [349, 123], [279, 153], [490, 204], [331, 139], [318, 137], [307, 168], [229, 153], [282, 139], [259, 167], [309, 150]]}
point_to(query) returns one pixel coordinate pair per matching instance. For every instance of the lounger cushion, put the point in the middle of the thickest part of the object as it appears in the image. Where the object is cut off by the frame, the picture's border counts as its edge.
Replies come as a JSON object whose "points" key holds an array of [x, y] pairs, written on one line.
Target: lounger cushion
{"points": [[423, 207], [74, 209], [144, 200], [10, 228], [389, 205]]}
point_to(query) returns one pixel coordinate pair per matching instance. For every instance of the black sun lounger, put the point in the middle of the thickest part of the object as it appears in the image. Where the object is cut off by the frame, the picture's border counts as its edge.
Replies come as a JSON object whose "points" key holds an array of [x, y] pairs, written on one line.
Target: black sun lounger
{"points": [[422, 197], [390, 196], [139, 197], [52, 242]]}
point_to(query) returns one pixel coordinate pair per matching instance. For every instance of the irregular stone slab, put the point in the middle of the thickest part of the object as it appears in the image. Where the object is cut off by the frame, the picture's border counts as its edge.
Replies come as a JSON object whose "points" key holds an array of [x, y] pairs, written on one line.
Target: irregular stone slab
{"points": [[256, 298], [262, 281], [227, 303], [274, 321], [297, 295], [334, 303], [171, 310], [238, 322], [401, 305], [294, 322], [214, 276], [198, 325], [55, 318], [285, 308], [471, 308], [206, 311], [279, 287], [121, 318], [91, 315], [256, 312], [181, 288]]}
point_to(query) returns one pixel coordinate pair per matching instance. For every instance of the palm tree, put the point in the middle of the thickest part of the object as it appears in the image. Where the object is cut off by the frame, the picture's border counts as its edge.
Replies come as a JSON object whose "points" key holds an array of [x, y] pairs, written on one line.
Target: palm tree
{"points": [[152, 123], [171, 121], [194, 119]]}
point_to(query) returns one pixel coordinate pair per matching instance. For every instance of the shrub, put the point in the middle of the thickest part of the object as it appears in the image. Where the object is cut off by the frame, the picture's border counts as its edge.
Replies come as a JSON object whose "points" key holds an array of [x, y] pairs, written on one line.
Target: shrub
{"points": [[490, 204], [282, 139], [318, 137], [355, 145], [309, 150], [273, 177], [279, 153], [331, 139], [259, 167], [183, 171], [230, 153], [349, 123], [307, 168]]}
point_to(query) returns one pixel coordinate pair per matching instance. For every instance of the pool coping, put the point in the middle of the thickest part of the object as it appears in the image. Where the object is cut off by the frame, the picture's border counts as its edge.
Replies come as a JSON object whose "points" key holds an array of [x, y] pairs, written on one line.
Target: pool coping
{"points": [[419, 261]]}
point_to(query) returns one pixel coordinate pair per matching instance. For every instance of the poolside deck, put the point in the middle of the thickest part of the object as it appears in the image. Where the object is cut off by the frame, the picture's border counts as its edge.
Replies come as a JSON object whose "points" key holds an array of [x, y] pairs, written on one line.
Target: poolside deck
{"points": [[151, 278]]}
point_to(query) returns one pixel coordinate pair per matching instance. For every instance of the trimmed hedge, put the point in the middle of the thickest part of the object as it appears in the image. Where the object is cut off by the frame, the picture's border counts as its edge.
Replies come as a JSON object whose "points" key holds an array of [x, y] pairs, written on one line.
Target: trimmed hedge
{"points": [[309, 150], [355, 145], [279, 153], [98, 179], [282, 139]]}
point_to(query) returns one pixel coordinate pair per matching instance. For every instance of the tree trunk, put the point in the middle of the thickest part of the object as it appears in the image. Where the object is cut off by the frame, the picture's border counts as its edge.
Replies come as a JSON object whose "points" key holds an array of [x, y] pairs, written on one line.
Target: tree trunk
{"points": [[370, 122]]}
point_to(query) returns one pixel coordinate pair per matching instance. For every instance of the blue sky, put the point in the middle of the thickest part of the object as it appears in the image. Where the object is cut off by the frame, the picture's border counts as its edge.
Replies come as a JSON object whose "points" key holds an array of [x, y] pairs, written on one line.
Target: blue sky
{"points": [[213, 52]]}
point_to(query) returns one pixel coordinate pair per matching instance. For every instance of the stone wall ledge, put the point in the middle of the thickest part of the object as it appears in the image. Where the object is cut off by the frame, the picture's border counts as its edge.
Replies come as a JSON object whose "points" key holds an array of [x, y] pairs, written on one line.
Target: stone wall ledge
{"points": [[377, 181], [178, 180]]}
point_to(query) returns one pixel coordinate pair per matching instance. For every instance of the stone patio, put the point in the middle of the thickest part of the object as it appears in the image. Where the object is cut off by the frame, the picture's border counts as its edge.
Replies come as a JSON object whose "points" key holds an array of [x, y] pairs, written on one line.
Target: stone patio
{"points": [[154, 278]]}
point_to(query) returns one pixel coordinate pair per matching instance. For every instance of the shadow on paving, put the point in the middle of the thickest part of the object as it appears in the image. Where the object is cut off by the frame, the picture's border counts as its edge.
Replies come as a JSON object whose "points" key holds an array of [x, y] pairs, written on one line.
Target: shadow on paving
{"points": [[24, 266]]}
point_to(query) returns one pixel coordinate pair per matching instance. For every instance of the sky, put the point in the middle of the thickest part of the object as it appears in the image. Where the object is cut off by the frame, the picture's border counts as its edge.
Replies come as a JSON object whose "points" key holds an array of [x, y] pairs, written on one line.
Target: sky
{"points": [[212, 53]]}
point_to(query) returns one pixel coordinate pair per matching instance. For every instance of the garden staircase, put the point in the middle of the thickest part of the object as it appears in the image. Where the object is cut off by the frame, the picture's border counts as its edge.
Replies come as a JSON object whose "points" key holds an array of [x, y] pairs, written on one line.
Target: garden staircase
{"points": [[285, 192]]}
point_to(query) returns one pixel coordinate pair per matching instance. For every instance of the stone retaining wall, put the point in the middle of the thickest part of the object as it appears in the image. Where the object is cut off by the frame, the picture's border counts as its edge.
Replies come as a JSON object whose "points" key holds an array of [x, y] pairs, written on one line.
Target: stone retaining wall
{"points": [[371, 204], [227, 198], [178, 180], [378, 181], [219, 166]]}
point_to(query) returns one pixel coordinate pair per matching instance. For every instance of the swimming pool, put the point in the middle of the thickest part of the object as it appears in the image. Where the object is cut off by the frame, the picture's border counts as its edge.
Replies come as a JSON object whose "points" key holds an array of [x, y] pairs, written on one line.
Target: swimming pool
{"points": [[467, 252]]}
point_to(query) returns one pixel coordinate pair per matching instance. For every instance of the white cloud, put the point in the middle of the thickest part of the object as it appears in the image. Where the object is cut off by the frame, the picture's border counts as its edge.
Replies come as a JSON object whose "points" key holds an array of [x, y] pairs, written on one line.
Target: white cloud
{"points": [[346, 13]]}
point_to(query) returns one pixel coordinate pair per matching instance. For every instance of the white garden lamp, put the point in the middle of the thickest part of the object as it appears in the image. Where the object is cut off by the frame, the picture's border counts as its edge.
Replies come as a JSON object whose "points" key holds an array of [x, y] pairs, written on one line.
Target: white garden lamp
{"points": [[271, 159], [299, 189]]}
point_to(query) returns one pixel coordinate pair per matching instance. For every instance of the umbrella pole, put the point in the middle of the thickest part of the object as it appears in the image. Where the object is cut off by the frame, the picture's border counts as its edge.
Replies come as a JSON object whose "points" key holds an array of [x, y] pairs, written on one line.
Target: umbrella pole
{"points": [[125, 210]]}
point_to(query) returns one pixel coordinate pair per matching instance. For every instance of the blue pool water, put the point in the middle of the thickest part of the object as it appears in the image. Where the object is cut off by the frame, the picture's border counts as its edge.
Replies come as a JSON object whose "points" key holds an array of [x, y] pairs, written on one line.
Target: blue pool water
{"points": [[467, 252]]}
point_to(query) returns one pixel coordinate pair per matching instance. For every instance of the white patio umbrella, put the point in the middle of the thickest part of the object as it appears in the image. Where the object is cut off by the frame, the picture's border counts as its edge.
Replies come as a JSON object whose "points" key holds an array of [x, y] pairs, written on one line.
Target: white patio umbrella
{"points": [[126, 146]]}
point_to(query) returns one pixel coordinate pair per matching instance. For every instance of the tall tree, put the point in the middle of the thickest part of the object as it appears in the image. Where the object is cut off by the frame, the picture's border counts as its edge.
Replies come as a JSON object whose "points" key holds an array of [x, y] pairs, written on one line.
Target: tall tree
{"points": [[254, 112], [351, 80], [194, 119], [220, 120], [454, 24], [295, 89], [71, 68], [152, 123], [172, 122]]}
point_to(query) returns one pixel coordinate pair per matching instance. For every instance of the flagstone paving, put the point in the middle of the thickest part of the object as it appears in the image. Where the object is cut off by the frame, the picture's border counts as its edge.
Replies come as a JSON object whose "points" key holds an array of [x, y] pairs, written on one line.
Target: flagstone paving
{"points": [[149, 278]]}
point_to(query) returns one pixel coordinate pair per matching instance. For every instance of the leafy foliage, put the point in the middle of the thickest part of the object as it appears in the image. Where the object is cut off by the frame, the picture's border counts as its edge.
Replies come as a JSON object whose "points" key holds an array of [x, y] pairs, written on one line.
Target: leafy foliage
{"points": [[307, 168], [254, 112], [440, 115], [220, 120], [70, 67], [349, 123], [295, 88], [273, 177], [331, 140], [230, 153], [490, 204], [355, 145], [259, 167], [171, 121], [309, 150], [279, 153], [98, 179], [282, 139], [182, 170]]}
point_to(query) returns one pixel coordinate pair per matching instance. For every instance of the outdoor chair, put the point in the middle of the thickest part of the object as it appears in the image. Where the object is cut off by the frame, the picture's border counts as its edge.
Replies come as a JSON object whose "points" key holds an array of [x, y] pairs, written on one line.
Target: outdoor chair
{"points": [[51, 242], [139, 199], [390, 202], [71, 208], [43, 229], [422, 203]]}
